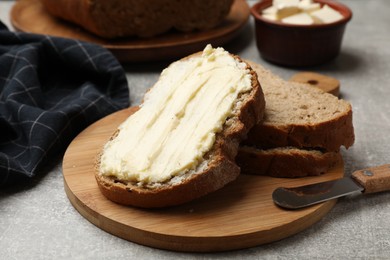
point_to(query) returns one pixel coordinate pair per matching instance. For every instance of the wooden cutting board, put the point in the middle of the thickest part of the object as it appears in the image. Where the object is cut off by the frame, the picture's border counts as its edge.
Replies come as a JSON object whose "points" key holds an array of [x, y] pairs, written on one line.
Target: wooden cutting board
{"points": [[238, 216]]}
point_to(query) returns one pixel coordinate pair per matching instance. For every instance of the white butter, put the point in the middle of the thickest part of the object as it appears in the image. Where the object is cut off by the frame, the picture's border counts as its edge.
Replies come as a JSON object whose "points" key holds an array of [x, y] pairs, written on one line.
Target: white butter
{"points": [[281, 9], [285, 2], [177, 123], [270, 10], [285, 11], [300, 12], [301, 19], [305, 2], [327, 15], [308, 6], [272, 17]]}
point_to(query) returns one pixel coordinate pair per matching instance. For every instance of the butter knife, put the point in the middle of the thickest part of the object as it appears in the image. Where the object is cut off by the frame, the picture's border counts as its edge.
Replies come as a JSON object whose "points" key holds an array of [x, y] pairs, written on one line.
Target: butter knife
{"points": [[369, 180]]}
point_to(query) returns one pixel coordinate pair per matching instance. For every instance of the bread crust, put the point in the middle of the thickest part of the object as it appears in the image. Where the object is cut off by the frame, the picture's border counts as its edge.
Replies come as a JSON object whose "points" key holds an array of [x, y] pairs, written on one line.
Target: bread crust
{"points": [[76, 11], [286, 162], [328, 134], [220, 170], [122, 18]]}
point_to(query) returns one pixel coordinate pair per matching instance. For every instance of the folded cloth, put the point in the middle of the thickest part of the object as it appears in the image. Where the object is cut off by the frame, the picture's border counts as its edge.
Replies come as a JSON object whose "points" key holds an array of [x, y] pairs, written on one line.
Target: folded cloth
{"points": [[50, 89]]}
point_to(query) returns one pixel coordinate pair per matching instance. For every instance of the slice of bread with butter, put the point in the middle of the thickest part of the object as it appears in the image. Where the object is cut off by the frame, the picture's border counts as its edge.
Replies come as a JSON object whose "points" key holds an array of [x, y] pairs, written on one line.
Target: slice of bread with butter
{"points": [[182, 142]]}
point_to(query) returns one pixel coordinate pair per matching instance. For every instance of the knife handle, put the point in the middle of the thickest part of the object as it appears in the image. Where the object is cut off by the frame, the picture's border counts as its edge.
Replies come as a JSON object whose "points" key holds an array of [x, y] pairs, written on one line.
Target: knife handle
{"points": [[374, 179]]}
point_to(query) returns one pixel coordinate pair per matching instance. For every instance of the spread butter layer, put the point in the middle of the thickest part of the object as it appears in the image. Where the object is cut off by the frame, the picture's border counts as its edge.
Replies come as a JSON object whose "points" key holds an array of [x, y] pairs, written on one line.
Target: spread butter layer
{"points": [[177, 123]]}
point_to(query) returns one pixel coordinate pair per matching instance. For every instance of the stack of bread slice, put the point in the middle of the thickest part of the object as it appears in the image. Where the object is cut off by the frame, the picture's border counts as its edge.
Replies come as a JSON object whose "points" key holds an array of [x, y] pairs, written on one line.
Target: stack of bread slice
{"points": [[209, 115], [302, 131]]}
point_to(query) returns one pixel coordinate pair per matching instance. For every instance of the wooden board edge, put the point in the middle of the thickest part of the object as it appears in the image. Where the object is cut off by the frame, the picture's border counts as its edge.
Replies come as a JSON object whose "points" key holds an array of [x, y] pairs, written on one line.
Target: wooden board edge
{"points": [[194, 244]]}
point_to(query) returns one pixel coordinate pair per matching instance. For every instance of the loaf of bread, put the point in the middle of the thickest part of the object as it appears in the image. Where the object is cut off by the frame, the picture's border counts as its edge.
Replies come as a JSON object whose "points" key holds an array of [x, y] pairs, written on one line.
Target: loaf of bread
{"points": [[123, 18], [287, 162], [301, 116], [182, 142]]}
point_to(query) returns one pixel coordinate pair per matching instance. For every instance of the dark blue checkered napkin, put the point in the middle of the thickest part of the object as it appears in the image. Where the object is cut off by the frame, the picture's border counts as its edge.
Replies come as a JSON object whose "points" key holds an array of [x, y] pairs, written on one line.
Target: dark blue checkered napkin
{"points": [[51, 89]]}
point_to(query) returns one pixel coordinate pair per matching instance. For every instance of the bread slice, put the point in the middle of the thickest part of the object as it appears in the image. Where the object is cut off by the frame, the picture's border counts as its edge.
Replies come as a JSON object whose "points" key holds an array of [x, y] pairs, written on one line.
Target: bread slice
{"points": [[212, 171], [286, 162], [301, 116], [120, 18]]}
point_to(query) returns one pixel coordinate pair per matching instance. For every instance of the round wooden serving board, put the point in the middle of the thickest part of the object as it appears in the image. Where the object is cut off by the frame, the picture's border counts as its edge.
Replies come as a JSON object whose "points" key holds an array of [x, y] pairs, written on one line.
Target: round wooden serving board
{"points": [[240, 215], [31, 16]]}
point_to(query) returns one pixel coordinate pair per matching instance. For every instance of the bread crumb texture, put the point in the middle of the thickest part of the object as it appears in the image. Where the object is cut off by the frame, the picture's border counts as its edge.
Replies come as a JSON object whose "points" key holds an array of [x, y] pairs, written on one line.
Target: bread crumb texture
{"points": [[296, 103], [301, 116]]}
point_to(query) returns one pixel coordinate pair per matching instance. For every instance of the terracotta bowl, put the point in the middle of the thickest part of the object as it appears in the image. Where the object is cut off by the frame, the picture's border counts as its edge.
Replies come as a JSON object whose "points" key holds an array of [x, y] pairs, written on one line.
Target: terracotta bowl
{"points": [[299, 45]]}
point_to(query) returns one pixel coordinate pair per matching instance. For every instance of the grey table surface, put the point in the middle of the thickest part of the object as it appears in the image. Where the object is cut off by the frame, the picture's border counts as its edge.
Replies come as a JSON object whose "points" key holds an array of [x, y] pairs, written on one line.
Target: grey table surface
{"points": [[37, 220]]}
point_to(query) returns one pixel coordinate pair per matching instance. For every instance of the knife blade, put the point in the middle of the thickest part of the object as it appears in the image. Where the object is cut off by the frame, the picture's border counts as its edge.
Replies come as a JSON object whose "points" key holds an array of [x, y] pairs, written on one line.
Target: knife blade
{"points": [[369, 180]]}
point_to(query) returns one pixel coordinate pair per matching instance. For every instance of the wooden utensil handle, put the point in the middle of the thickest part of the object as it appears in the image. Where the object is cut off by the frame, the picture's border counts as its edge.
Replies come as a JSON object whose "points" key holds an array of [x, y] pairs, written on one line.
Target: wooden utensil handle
{"points": [[325, 83], [374, 179]]}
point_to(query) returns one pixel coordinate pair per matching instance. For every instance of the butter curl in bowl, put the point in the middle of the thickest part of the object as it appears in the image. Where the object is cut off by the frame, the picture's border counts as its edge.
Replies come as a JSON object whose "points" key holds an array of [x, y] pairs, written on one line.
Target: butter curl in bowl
{"points": [[300, 33]]}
